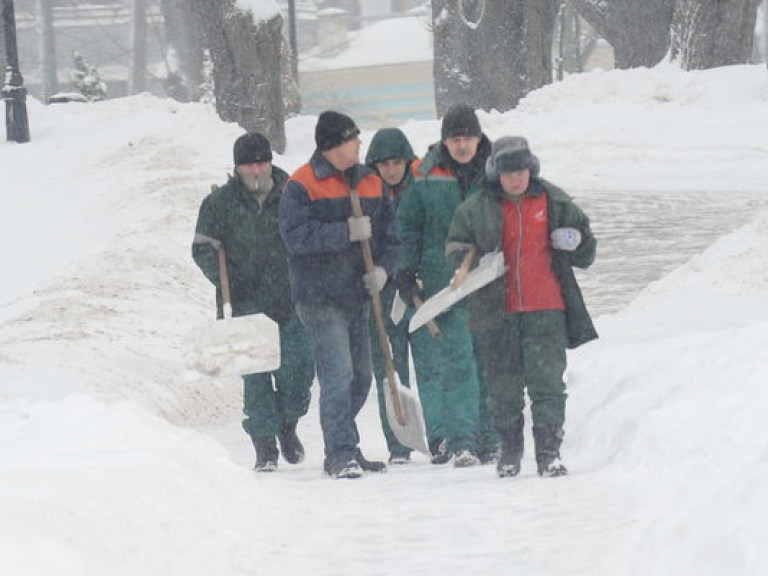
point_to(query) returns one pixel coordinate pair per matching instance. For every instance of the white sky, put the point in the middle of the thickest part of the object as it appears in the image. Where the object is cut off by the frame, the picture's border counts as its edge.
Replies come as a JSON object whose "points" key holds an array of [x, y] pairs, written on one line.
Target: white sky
{"points": [[115, 461]]}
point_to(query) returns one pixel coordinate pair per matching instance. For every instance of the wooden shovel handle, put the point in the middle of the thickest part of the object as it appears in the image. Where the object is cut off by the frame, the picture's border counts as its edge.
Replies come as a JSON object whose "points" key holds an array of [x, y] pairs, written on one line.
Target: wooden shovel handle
{"points": [[226, 297], [463, 269], [378, 315], [432, 326]]}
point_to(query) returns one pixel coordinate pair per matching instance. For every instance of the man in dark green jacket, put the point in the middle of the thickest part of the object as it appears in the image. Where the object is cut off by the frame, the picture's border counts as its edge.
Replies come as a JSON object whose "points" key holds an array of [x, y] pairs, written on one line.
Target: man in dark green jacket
{"points": [[242, 218], [390, 154], [525, 320], [446, 371]]}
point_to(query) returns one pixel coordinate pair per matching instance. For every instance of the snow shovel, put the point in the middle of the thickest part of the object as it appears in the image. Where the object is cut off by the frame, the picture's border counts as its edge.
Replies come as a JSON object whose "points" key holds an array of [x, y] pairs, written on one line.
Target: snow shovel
{"points": [[464, 282], [234, 346], [403, 406], [398, 313]]}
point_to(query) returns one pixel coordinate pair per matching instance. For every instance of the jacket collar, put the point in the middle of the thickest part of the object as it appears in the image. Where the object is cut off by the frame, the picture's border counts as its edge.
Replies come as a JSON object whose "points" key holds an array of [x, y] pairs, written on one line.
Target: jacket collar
{"points": [[535, 188], [324, 169], [438, 155]]}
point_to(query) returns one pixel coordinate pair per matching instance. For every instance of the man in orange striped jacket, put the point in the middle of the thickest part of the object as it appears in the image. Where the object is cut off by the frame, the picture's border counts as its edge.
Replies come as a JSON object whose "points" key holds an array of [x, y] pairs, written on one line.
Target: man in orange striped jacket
{"points": [[329, 283]]}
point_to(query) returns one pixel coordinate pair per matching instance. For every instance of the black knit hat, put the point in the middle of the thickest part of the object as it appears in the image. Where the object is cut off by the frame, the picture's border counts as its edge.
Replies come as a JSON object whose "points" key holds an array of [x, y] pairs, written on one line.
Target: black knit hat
{"points": [[460, 120], [252, 148], [334, 129]]}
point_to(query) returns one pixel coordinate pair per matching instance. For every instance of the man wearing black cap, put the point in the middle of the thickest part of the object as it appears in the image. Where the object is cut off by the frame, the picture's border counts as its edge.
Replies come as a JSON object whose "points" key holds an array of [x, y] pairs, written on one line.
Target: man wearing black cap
{"points": [[525, 320], [458, 426], [329, 283], [241, 218]]}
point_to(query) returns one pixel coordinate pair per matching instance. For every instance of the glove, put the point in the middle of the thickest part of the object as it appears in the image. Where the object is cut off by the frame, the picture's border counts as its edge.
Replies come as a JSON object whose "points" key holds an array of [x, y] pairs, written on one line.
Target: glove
{"points": [[374, 281], [408, 287], [567, 239], [359, 228]]}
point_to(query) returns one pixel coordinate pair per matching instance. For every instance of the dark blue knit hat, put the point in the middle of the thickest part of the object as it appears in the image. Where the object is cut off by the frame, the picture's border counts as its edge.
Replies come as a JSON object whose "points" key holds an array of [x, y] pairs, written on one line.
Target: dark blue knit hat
{"points": [[334, 129], [252, 148]]}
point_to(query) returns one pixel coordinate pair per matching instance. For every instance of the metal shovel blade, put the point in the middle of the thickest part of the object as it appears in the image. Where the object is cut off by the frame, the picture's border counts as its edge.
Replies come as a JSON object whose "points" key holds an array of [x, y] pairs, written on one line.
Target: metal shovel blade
{"points": [[235, 346], [413, 431], [490, 267]]}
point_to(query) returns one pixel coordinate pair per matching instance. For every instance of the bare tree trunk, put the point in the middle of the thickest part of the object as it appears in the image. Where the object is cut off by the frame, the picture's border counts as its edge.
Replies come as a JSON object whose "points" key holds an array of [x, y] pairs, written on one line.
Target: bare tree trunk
{"points": [[290, 83], [516, 40], [246, 67], [456, 78], [185, 43], [638, 30], [139, 47], [494, 53], [570, 57], [712, 33], [2, 48], [48, 76]]}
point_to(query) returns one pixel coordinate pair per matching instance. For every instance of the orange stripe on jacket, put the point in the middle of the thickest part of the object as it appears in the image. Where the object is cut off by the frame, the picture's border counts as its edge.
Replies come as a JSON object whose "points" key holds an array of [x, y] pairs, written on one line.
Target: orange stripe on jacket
{"points": [[437, 172], [335, 186]]}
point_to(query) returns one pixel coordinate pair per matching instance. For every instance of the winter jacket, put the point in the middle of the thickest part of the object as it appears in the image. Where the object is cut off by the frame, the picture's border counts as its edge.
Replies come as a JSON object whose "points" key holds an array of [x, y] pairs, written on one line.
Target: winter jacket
{"points": [[231, 217], [478, 221], [325, 267], [426, 210]]}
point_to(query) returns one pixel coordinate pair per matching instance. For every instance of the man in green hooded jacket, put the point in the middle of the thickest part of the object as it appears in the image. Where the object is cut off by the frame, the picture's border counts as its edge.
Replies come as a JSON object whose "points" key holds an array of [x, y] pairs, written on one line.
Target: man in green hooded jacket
{"points": [[390, 154], [241, 217]]}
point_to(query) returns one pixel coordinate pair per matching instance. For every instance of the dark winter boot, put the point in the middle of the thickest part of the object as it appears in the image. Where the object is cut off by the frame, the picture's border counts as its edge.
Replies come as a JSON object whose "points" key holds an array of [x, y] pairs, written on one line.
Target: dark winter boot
{"points": [[342, 466], [547, 439], [512, 442], [489, 455], [399, 458], [369, 465], [464, 458], [439, 450], [290, 445], [266, 453]]}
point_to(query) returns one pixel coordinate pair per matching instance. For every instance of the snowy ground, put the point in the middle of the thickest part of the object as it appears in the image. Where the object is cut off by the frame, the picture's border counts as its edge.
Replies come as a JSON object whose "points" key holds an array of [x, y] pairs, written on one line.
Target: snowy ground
{"points": [[115, 461]]}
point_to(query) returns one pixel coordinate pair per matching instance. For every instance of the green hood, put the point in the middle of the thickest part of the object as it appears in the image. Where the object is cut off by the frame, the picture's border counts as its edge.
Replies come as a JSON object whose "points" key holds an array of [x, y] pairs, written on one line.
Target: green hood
{"points": [[389, 143]]}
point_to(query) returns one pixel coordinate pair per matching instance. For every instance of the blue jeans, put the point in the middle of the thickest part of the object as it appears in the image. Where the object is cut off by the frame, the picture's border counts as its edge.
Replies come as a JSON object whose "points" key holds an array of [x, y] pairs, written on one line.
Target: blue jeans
{"points": [[341, 348]]}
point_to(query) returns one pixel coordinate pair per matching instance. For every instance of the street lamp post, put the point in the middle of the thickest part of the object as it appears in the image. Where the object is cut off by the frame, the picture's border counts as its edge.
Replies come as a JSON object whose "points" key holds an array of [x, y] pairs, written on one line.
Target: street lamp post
{"points": [[292, 37], [14, 93]]}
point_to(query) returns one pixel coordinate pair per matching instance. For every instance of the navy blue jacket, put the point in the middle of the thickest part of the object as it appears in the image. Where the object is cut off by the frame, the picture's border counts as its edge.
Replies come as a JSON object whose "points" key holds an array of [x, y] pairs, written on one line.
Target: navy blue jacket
{"points": [[324, 266]]}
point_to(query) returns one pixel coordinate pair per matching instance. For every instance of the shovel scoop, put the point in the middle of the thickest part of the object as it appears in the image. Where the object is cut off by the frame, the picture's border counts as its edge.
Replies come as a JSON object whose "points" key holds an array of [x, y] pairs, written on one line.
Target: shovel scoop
{"points": [[403, 407], [233, 346]]}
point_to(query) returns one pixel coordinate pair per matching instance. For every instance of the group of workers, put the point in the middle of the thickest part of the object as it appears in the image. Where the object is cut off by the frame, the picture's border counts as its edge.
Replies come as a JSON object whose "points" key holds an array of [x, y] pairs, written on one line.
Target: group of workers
{"points": [[295, 247]]}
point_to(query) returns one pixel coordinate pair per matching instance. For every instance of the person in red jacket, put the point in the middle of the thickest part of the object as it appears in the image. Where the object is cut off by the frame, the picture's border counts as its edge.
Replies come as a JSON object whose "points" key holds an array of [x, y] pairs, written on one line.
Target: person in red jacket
{"points": [[525, 320]]}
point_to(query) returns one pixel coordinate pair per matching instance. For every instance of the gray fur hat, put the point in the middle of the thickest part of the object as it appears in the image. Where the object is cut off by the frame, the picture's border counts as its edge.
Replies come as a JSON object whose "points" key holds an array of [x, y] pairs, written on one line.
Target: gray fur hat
{"points": [[510, 154]]}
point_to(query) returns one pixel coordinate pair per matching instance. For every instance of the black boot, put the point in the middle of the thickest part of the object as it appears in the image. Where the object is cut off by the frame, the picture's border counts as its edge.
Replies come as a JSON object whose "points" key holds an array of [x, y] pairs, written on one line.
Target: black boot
{"points": [[399, 458], [512, 442], [293, 451], [369, 465], [548, 439], [439, 450], [266, 453]]}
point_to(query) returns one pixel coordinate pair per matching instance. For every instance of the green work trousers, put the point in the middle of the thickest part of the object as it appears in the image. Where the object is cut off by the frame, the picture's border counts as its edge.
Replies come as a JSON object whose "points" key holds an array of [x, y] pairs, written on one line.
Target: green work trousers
{"points": [[398, 341], [526, 351], [272, 398], [447, 379], [487, 436]]}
